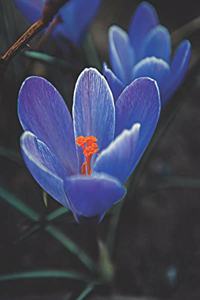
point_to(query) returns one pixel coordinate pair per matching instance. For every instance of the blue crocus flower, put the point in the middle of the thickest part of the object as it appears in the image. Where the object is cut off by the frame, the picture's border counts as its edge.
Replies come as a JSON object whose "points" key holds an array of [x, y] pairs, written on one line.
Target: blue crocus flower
{"points": [[146, 51], [72, 20], [83, 161]]}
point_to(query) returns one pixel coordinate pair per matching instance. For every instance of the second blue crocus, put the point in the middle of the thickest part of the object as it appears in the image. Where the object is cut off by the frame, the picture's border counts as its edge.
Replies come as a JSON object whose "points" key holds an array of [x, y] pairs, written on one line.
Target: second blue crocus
{"points": [[146, 51]]}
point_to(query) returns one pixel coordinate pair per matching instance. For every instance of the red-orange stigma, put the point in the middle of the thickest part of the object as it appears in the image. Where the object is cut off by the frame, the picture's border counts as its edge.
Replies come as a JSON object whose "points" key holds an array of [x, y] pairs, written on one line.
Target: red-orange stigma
{"points": [[90, 147]]}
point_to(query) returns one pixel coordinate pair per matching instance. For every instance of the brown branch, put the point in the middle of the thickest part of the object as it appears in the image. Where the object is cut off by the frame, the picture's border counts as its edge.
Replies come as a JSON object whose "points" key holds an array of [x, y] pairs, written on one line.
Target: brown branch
{"points": [[23, 40], [50, 10]]}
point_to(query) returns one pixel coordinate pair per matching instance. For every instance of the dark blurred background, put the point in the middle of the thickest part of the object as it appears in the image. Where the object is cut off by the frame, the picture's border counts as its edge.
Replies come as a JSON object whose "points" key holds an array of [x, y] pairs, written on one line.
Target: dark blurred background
{"points": [[157, 252]]}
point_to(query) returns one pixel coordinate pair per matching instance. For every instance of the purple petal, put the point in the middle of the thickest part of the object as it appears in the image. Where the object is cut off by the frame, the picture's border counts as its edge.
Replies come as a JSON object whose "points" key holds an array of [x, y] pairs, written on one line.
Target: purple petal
{"points": [[179, 68], [42, 110], [93, 108], [158, 43], [118, 159], [144, 19], [121, 53], [76, 18], [32, 10], [44, 166], [154, 68], [115, 84], [139, 103], [91, 196]]}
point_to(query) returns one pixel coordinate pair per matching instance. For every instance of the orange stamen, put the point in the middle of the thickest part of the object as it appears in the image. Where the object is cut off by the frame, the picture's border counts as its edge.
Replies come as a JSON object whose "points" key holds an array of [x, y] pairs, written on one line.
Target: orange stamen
{"points": [[90, 147], [80, 141]]}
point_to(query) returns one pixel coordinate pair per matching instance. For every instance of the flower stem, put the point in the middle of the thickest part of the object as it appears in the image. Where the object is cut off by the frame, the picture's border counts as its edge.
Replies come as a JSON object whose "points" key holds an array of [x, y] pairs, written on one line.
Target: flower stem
{"points": [[112, 230]]}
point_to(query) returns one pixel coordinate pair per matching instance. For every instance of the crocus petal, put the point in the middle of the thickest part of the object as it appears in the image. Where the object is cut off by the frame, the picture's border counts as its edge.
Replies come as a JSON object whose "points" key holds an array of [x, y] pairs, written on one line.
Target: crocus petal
{"points": [[154, 68], [93, 108], [179, 68], [139, 103], [32, 10], [121, 53], [91, 196], [118, 159], [76, 17], [115, 83], [44, 166], [158, 43], [42, 110], [144, 19]]}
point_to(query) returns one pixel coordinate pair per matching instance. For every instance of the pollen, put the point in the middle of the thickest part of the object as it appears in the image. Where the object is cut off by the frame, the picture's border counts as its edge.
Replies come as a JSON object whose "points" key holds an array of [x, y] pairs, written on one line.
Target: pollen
{"points": [[90, 147]]}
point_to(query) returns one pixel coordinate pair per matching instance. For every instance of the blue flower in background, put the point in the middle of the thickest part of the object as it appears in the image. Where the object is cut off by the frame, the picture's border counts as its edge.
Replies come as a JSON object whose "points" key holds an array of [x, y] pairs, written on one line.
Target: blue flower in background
{"points": [[72, 21], [145, 51], [83, 161]]}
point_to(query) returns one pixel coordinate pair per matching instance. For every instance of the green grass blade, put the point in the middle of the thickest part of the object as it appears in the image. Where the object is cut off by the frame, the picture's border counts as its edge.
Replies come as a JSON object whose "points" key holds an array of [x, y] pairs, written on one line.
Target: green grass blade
{"points": [[56, 213], [18, 205], [44, 274], [48, 59], [52, 230], [89, 288], [71, 246]]}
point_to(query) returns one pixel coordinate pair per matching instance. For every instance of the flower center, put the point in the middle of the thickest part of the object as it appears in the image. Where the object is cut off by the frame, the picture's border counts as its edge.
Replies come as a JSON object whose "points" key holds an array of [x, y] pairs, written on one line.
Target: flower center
{"points": [[89, 146]]}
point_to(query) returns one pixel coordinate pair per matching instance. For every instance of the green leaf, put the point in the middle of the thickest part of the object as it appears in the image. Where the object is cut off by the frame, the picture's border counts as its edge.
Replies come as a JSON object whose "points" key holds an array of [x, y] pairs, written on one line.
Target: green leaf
{"points": [[57, 213], [18, 205], [71, 246], [42, 274]]}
